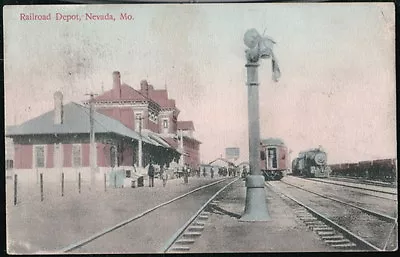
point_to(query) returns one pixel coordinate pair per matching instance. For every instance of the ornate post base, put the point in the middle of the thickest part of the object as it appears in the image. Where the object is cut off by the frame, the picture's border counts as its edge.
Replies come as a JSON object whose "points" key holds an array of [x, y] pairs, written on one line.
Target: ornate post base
{"points": [[256, 206]]}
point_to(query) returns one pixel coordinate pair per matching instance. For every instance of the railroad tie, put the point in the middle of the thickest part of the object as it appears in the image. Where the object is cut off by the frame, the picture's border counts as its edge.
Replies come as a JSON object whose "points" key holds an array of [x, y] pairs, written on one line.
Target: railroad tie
{"points": [[203, 217], [332, 237], [191, 234], [184, 241], [180, 249], [308, 218], [337, 241], [325, 233], [301, 211], [199, 223], [313, 223], [196, 228], [322, 229], [348, 245]]}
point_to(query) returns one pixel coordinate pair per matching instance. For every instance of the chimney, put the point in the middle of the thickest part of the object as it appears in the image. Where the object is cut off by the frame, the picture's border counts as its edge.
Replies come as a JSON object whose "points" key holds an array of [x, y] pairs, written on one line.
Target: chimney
{"points": [[145, 87], [58, 108], [117, 84]]}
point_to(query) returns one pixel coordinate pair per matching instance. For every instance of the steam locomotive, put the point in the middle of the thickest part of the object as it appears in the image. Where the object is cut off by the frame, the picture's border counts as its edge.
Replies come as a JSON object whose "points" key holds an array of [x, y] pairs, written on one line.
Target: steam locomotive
{"points": [[274, 157], [311, 163]]}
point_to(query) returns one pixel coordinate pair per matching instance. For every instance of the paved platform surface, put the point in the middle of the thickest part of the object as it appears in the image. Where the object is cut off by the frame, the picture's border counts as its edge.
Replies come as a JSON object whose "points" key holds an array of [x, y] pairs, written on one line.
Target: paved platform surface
{"points": [[34, 226], [223, 232]]}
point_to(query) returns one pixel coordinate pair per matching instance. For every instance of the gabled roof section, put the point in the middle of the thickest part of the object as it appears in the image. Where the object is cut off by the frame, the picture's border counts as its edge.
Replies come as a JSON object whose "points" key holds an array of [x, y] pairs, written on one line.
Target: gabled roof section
{"points": [[76, 121], [155, 137], [159, 96], [185, 125], [127, 93], [223, 160], [171, 141]]}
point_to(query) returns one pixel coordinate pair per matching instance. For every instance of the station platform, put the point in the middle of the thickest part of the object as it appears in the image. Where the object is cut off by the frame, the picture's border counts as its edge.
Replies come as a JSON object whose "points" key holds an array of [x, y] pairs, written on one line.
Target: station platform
{"points": [[285, 232]]}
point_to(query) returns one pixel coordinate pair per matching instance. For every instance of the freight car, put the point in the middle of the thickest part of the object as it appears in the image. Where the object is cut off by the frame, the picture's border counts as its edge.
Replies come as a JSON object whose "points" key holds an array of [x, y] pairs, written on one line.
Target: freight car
{"points": [[274, 157], [311, 163], [381, 170]]}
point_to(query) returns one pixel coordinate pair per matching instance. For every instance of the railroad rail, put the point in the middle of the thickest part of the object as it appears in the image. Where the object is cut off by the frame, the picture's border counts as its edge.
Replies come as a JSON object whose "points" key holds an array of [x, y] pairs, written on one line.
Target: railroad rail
{"points": [[186, 235], [85, 241], [331, 232], [361, 180]]}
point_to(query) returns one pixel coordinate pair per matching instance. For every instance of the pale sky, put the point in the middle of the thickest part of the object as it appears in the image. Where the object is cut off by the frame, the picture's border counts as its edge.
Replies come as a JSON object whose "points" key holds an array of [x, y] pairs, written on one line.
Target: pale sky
{"points": [[337, 62]]}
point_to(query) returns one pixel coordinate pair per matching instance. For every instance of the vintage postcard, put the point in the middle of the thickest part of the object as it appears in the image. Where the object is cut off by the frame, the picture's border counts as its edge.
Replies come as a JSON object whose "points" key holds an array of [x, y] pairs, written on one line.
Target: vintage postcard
{"points": [[200, 128]]}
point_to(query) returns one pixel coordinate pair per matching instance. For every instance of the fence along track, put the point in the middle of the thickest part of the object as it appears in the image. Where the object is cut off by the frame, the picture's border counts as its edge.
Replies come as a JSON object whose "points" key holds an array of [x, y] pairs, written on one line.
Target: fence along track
{"points": [[123, 223], [328, 234], [194, 228]]}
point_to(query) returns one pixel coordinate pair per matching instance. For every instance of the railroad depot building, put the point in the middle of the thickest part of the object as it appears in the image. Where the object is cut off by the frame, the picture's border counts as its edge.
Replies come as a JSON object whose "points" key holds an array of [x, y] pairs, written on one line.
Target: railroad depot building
{"points": [[123, 116]]}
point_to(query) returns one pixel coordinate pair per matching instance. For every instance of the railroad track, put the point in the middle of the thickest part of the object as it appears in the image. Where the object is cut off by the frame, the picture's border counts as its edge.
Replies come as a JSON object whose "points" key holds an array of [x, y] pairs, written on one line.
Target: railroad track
{"points": [[351, 186], [374, 213], [338, 230], [364, 181], [185, 236], [75, 246]]}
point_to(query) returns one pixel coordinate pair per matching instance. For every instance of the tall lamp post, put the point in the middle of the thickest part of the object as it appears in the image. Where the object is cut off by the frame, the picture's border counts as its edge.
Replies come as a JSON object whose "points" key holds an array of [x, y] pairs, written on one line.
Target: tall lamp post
{"points": [[259, 47], [93, 153]]}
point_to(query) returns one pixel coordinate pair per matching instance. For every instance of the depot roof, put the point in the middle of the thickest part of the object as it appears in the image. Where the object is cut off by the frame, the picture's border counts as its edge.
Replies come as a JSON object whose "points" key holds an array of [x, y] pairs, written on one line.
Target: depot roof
{"points": [[75, 121]]}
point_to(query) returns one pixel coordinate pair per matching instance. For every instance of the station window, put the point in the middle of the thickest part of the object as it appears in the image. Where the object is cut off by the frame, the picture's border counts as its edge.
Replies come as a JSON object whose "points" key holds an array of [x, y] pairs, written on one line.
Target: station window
{"points": [[165, 123], [76, 156], [39, 156], [9, 164]]}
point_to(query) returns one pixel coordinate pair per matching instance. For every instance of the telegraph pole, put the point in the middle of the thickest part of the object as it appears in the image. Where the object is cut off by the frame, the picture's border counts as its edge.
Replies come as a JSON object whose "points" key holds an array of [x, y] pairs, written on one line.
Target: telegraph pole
{"points": [[181, 159], [140, 150], [93, 153], [259, 48]]}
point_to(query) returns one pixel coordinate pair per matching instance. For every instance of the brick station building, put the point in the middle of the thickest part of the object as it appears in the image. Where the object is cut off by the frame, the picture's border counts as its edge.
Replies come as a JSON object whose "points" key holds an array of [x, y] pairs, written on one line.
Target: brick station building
{"points": [[123, 117], [150, 111]]}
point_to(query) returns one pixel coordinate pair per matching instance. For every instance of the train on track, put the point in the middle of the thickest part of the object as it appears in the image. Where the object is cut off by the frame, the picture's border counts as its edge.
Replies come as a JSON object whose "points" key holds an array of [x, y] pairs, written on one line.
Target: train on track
{"points": [[381, 170], [311, 163], [274, 158]]}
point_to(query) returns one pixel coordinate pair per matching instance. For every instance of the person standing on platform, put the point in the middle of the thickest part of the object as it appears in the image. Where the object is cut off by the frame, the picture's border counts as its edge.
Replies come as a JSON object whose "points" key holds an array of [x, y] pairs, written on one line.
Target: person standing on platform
{"points": [[204, 172], [164, 177], [151, 175], [186, 174], [212, 172]]}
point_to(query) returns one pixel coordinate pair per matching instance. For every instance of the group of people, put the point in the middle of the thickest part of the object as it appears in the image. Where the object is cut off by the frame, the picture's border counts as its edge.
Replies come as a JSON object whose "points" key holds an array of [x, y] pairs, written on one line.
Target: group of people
{"points": [[151, 173], [186, 172]]}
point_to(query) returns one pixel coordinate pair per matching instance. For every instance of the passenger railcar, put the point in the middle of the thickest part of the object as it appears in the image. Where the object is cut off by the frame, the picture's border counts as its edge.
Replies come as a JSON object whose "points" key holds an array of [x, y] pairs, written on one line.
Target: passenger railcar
{"points": [[274, 157], [311, 163]]}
